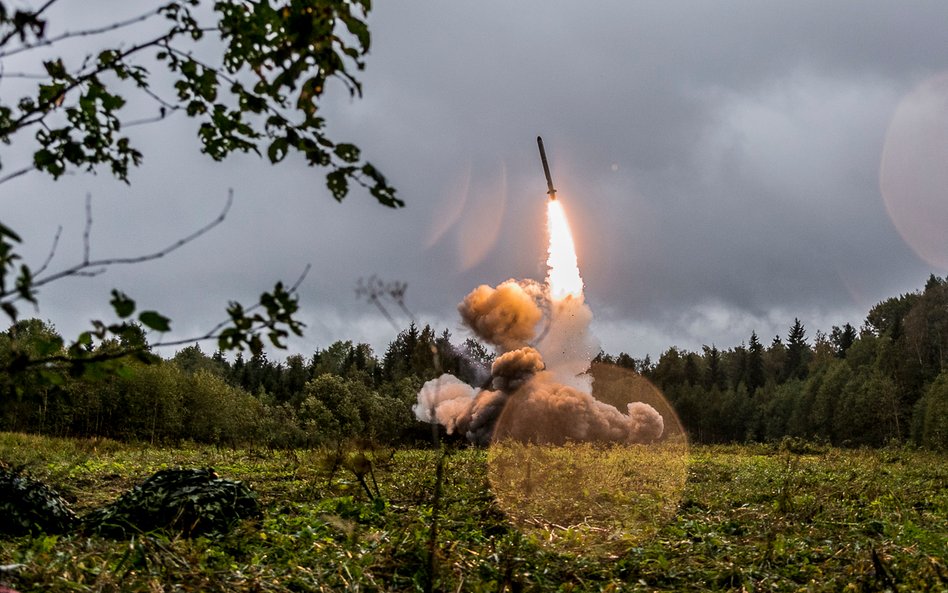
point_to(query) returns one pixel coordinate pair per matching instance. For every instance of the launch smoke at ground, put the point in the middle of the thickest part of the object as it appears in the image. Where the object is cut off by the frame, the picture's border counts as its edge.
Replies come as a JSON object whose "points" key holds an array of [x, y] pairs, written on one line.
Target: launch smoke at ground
{"points": [[573, 469], [547, 381]]}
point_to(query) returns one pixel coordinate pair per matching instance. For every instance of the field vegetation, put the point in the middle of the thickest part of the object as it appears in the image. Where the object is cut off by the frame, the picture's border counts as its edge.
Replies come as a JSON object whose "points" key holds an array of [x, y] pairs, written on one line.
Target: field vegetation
{"points": [[793, 517]]}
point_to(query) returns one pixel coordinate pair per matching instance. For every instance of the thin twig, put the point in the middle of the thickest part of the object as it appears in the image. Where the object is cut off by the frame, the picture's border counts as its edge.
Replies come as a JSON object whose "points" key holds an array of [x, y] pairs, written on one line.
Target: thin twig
{"points": [[14, 31], [374, 290], [16, 174], [70, 34], [28, 75], [87, 231], [87, 263], [212, 334], [162, 114], [43, 109], [433, 525], [52, 252], [162, 102]]}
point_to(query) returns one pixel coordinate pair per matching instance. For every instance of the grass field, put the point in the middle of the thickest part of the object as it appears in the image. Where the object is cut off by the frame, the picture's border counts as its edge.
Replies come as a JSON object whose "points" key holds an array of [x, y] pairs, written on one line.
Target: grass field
{"points": [[747, 518]]}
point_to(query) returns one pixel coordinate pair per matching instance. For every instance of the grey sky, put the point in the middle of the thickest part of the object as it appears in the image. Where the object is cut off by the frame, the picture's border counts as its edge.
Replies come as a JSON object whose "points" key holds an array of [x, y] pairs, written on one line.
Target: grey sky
{"points": [[719, 162]]}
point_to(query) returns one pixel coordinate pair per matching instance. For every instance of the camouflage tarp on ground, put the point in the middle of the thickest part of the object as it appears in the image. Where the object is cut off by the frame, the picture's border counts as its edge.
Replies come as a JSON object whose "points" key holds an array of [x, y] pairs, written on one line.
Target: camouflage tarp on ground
{"points": [[187, 501], [30, 506]]}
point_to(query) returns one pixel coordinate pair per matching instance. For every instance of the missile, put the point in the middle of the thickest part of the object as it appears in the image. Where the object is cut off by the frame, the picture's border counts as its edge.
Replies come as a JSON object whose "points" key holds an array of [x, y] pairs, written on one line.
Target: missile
{"points": [[546, 170]]}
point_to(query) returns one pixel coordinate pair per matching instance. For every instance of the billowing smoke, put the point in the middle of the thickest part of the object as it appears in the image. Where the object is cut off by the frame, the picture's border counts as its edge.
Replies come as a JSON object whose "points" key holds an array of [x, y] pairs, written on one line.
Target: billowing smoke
{"points": [[539, 390], [548, 412], [506, 316]]}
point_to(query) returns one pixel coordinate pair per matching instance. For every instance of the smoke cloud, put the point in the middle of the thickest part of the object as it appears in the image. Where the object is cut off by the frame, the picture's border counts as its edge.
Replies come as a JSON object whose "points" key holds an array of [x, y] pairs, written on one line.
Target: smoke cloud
{"points": [[540, 390], [548, 412], [506, 316]]}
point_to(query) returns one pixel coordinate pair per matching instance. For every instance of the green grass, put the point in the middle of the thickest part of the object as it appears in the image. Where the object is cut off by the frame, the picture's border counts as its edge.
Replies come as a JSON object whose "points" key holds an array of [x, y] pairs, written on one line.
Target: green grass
{"points": [[748, 518]]}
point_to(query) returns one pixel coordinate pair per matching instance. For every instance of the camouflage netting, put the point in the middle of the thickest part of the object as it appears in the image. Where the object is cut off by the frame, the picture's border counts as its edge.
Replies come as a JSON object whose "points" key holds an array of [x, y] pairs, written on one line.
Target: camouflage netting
{"points": [[187, 501], [29, 506]]}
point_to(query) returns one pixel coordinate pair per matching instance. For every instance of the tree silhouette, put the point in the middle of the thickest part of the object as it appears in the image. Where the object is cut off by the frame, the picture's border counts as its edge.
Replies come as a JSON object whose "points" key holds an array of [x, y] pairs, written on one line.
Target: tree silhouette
{"points": [[755, 364], [797, 352]]}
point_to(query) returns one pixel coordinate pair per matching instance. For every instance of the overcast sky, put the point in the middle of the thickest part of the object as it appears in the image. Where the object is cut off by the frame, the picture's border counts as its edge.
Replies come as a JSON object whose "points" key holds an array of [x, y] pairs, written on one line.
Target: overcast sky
{"points": [[722, 165]]}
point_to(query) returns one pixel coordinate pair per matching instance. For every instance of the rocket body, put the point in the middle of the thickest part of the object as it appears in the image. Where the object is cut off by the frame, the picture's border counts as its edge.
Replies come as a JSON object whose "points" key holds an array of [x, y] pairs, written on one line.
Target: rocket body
{"points": [[546, 170]]}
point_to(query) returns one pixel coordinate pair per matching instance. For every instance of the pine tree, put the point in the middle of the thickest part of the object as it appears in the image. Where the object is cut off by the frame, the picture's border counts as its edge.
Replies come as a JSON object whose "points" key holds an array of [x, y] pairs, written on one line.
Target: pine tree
{"points": [[755, 365], [797, 352], [713, 372]]}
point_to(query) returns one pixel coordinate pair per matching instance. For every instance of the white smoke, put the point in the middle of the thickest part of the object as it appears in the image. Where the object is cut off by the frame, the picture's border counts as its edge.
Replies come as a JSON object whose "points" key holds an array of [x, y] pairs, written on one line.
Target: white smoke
{"points": [[568, 347], [540, 393], [444, 400]]}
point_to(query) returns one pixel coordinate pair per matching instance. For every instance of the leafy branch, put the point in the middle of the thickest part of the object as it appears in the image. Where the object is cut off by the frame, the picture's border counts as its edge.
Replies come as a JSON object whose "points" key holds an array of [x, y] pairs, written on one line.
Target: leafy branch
{"points": [[265, 90], [272, 314], [256, 88]]}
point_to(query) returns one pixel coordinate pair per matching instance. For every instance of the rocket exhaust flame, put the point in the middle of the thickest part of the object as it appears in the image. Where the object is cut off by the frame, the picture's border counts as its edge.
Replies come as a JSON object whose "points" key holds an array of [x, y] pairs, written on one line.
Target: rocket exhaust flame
{"points": [[563, 276]]}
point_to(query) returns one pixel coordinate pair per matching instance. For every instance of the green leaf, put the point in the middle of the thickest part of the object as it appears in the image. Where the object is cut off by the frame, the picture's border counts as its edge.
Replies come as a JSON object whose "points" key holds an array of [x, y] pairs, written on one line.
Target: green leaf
{"points": [[277, 150], [347, 152], [154, 320], [6, 231], [55, 69], [10, 310], [338, 183], [123, 305]]}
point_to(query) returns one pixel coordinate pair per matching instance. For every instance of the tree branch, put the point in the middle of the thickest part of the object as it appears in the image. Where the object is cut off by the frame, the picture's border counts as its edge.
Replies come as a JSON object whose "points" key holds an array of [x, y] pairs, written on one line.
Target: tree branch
{"points": [[214, 332], [6, 38], [105, 356], [71, 34], [90, 267], [87, 230], [43, 109], [374, 290], [16, 174], [52, 251]]}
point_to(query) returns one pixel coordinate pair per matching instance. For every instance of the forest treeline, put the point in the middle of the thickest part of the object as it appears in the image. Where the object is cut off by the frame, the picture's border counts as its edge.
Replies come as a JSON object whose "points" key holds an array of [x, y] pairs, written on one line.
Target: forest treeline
{"points": [[885, 382]]}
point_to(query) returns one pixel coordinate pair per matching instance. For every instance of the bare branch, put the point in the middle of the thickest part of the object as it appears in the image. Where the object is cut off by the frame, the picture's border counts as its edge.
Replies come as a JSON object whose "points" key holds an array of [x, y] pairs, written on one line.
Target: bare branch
{"points": [[86, 233], [89, 267], [375, 290], [16, 174], [71, 34], [43, 8], [52, 252], [211, 334], [28, 75]]}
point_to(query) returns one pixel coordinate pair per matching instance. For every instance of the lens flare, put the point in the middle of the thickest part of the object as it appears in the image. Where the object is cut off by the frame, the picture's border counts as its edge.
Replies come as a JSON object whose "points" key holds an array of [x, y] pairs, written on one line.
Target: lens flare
{"points": [[590, 497], [913, 176], [563, 277]]}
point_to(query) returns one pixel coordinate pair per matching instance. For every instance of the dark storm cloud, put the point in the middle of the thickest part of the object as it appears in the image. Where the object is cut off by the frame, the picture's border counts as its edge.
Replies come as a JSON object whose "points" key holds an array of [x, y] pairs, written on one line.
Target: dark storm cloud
{"points": [[718, 161]]}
